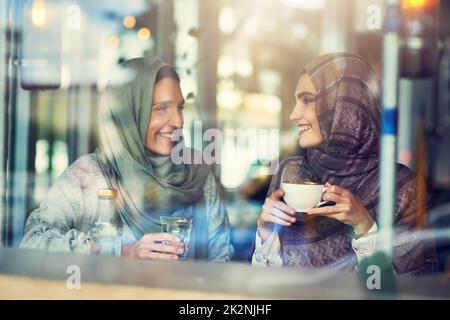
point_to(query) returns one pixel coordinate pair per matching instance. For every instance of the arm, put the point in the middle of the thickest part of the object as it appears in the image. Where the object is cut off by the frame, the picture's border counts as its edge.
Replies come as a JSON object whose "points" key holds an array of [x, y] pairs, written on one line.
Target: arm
{"points": [[219, 243], [267, 253], [413, 254], [53, 225], [365, 245], [274, 213], [267, 244]]}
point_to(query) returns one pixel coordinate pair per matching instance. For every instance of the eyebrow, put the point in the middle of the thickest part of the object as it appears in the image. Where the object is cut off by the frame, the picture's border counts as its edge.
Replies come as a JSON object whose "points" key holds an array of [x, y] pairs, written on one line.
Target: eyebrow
{"points": [[302, 94], [169, 101]]}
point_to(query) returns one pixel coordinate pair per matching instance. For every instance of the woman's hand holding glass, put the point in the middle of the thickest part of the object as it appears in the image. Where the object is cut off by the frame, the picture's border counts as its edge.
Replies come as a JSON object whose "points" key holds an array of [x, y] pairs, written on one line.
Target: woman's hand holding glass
{"points": [[155, 246], [273, 212], [347, 209]]}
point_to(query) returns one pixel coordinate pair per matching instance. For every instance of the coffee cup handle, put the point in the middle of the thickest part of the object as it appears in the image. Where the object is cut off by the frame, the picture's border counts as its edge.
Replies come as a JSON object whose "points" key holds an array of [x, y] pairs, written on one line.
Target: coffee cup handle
{"points": [[322, 202]]}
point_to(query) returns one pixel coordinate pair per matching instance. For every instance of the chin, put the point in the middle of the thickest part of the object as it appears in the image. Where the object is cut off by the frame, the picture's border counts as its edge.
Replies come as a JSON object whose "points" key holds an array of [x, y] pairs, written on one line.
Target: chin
{"points": [[304, 145], [164, 152], [308, 144]]}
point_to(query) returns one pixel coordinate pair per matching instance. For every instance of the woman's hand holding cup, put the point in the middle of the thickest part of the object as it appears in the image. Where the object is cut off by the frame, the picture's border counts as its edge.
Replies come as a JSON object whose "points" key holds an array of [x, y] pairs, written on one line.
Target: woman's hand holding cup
{"points": [[347, 209], [273, 212]]}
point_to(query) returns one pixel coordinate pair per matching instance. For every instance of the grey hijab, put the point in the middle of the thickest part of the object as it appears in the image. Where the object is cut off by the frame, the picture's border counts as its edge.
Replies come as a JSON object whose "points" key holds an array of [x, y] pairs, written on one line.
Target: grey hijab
{"points": [[149, 185]]}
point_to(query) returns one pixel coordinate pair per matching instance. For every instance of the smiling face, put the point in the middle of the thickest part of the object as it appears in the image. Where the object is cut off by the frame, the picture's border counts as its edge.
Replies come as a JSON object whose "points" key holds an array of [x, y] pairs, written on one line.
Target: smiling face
{"points": [[304, 114], [166, 116]]}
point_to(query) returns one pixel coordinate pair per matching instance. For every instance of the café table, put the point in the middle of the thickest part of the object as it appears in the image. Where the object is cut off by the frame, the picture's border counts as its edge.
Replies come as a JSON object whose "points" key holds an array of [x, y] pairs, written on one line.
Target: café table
{"points": [[34, 274]]}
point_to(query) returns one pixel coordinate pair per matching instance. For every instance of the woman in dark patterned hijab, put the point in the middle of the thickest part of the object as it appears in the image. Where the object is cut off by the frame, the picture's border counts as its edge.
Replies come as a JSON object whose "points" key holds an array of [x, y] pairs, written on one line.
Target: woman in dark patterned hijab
{"points": [[338, 118]]}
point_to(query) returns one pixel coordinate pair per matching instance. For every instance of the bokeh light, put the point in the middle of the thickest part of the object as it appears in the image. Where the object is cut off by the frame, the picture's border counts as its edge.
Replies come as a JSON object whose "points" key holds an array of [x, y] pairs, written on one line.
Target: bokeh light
{"points": [[129, 22], [144, 33]]}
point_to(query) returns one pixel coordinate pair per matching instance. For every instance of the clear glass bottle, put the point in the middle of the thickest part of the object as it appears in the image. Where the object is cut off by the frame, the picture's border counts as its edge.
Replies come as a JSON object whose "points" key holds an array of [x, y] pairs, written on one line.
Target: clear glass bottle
{"points": [[107, 230]]}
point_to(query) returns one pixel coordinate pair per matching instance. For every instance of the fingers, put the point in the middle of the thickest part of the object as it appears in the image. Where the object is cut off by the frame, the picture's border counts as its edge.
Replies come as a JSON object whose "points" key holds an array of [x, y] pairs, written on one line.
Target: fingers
{"points": [[275, 215], [155, 246], [278, 212], [163, 247], [273, 201], [335, 189], [276, 195], [281, 215], [325, 211], [152, 237], [160, 246], [283, 207], [277, 220], [159, 251], [150, 255], [329, 196]]}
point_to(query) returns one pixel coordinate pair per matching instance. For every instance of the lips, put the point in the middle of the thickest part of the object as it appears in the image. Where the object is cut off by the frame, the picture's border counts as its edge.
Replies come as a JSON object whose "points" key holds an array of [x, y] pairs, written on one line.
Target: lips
{"points": [[167, 135], [304, 127]]}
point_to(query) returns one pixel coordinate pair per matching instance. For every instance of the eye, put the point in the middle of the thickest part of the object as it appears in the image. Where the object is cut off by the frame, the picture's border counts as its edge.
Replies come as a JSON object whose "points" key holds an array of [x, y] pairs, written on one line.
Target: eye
{"points": [[307, 101], [181, 108], [162, 107]]}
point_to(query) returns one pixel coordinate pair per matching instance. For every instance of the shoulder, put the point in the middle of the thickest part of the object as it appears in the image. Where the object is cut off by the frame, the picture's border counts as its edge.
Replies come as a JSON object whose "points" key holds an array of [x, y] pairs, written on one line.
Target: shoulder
{"points": [[405, 172], [210, 187], [293, 160], [86, 162], [82, 170], [407, 179], [410, 188], [298, 160], [295, 163]]}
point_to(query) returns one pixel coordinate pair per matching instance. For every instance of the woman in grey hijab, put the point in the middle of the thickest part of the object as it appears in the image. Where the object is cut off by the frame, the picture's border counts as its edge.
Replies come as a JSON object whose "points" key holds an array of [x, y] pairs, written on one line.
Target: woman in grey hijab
{"points": [[139, 121]]}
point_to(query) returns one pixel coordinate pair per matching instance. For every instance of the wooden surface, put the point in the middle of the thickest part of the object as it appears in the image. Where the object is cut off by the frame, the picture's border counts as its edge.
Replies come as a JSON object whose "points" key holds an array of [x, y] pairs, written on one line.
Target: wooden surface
{"points": [[30, 274], [23, 288]]}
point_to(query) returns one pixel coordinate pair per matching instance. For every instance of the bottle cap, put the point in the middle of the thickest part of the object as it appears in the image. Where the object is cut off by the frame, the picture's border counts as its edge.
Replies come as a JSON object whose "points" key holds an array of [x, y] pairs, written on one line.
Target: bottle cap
{"points": [[107, 193]]}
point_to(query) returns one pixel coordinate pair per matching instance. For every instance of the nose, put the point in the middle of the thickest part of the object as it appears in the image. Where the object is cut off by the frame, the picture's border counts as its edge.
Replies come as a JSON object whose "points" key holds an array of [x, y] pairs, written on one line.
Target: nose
{"points": [[296, 114], [176, 119]]}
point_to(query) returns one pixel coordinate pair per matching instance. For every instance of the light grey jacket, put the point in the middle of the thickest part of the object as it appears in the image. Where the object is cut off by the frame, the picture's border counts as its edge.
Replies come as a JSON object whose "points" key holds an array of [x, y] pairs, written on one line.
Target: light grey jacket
{"points": [[63, 220]]}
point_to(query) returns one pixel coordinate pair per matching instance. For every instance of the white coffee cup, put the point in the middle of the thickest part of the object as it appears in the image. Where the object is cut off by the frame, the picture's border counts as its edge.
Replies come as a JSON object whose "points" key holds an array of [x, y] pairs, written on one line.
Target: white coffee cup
{"points": [[302, 197]]}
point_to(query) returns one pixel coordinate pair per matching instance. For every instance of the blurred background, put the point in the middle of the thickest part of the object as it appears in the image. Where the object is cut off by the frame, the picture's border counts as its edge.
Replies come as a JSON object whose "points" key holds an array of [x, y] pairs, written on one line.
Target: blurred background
{"points": [[239, 62]]}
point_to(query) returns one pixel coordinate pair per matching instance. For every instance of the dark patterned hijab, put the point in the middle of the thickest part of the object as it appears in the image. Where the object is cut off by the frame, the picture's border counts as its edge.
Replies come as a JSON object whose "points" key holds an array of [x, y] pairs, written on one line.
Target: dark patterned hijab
{"points": [[349, 118]]}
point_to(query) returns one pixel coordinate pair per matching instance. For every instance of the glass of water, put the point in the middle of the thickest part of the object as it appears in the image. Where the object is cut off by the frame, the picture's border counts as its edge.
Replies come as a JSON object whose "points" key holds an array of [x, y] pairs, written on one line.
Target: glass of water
{"points": [[179, 226]]}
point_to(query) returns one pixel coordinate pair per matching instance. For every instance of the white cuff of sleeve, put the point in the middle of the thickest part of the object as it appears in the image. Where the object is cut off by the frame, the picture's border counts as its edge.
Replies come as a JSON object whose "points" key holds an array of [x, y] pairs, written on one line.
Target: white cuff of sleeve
{"points": [[267, 253], [366, 245]]}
